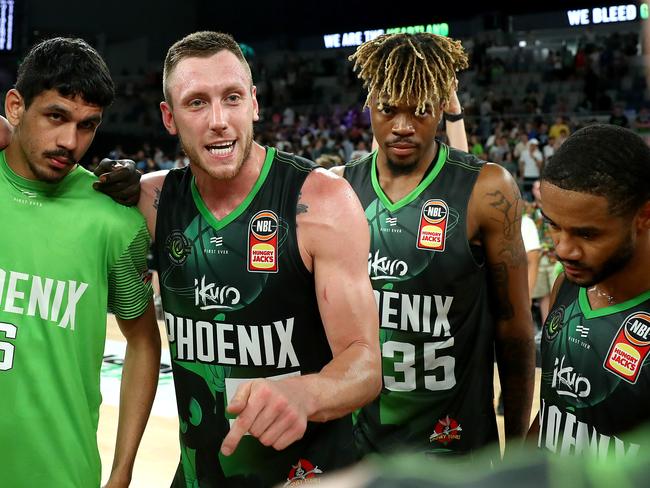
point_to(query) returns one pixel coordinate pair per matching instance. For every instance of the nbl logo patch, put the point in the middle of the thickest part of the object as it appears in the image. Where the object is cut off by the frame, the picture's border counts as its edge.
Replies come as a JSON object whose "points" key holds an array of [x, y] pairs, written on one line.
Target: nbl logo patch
{"points": [[263, 242], [433, 226], [630, 347]]}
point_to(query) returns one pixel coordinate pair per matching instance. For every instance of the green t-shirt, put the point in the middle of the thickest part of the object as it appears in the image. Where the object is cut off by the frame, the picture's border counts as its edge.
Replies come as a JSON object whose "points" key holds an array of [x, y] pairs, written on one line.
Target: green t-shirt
{"points": [[67, 253]]}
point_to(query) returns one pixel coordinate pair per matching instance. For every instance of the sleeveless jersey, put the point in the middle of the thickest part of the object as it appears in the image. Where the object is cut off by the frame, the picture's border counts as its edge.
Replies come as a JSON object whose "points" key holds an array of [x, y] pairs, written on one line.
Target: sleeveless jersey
{"points": [[67, 253], [239, 304], [595, 375], [436, 329]]}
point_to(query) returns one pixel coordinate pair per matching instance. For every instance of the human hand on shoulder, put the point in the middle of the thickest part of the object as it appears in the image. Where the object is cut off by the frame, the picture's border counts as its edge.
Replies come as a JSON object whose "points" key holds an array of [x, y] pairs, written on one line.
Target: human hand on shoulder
{"points": [[6, 131], [275, 412], [119, 180]]}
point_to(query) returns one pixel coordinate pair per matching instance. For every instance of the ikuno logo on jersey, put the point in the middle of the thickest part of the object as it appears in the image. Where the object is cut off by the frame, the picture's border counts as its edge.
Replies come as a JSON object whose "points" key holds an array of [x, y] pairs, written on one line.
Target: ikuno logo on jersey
{"points": [[263, 242], [433, 226], [178, 247], [303, 473], [630, 347]]}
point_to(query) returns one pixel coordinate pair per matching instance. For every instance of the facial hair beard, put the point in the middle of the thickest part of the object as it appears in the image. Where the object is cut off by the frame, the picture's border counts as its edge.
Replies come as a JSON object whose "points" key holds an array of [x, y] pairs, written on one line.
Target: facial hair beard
{"points": [[617, 261], [219, 175]]}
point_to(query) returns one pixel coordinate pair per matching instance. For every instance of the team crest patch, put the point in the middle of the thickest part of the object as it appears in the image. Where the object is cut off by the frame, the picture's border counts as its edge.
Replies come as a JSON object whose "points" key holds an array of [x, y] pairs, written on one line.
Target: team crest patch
{"points": [[303, 473], [630, 347], [553, 324], [178, 247], [433, 226], [263, 242], [446, 431]]}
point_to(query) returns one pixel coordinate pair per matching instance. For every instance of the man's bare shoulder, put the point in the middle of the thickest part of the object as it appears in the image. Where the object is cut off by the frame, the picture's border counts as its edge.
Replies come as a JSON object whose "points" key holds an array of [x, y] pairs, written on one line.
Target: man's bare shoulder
{"points": [[153, 180], [328, 187]]}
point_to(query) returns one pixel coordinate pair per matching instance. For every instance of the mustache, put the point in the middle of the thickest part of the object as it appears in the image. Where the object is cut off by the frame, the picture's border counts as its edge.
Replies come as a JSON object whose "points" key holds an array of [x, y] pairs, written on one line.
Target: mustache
{"points": [[61, 153], [573, 264], [400, 140]]}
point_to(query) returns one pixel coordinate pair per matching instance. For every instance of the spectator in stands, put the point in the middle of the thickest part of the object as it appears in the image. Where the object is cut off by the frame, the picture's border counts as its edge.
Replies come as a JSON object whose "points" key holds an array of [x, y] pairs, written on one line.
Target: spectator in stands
{"points": [[545, 274], [549, 149], [530, 164], [360, 151], [618, 117], [521, 145], [559, 126]]}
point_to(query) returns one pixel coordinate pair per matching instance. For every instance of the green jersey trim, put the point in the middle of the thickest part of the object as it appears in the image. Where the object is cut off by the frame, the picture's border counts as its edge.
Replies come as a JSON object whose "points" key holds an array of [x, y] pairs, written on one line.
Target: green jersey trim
{"points": [[587, 311], [220, 224], [42, 187], [392, 207], [128, 293]]}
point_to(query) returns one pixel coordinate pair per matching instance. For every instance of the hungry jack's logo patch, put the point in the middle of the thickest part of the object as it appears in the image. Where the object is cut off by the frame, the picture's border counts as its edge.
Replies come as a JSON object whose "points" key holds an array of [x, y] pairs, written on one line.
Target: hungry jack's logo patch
{"points": [[630, 347], [433, 226], [263, 242]]}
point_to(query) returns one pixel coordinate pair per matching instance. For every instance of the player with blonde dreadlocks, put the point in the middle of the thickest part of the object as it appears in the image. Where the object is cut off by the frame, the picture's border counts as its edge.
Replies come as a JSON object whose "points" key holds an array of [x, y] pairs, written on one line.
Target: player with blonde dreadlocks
{"points": [[404, 67], [446, 261]]}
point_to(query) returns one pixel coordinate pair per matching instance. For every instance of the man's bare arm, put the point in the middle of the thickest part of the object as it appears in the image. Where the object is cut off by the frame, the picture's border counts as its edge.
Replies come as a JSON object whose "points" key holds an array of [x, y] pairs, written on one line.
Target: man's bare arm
{"points": [[150, 190], [533, 431], [334, 240], [137, 391], [497, 207], [456, 132]]}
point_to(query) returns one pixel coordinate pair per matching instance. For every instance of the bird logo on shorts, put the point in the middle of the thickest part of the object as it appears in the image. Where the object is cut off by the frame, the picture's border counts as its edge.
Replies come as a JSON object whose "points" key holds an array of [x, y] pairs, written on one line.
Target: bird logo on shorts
{"points": [[302, 472], [446, 430]]}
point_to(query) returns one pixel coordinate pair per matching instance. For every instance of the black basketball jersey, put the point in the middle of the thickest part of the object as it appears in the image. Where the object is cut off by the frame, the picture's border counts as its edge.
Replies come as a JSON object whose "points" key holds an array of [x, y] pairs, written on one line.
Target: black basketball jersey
{"points": [[239, 304], [595, 384], [436, 328]]}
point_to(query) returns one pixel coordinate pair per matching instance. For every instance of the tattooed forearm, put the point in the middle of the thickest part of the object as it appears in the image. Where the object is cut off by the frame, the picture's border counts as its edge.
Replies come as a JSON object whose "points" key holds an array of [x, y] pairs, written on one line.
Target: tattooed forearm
{"points": [[499, 290], [156, 199], [301, 207]]}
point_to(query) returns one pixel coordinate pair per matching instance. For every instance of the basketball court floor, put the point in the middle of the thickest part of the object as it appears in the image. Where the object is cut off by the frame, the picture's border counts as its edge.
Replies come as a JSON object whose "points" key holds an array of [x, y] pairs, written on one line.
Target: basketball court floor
{"points": [[159, 453]]}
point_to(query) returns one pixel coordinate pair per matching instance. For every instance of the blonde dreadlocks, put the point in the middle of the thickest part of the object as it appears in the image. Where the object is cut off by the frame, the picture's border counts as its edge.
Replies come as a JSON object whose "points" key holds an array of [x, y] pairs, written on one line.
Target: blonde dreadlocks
{"points": [[399, 68]]}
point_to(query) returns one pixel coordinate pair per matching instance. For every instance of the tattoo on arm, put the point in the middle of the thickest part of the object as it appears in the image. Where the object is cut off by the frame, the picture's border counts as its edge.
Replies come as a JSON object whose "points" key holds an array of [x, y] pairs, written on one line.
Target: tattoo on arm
{"points": [[512, 250], [156, 200], [301, 207], [500, 298]]}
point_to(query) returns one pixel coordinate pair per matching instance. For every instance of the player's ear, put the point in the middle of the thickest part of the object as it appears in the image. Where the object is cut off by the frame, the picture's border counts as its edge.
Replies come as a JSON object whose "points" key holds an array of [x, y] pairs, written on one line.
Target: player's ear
{"points": [[14, 106], [256, 108], [168, 118], [643, 217]]}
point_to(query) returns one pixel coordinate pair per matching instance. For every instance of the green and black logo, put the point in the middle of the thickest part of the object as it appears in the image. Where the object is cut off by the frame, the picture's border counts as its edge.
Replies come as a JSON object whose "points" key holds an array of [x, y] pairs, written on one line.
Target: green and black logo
{"points": [[178, 247], [554, 323]]}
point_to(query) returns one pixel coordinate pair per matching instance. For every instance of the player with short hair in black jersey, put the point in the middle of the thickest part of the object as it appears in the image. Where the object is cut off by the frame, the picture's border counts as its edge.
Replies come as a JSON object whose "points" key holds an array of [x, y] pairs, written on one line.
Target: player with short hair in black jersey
{"points": [[595, 342], [446, 261], [268, 307]]}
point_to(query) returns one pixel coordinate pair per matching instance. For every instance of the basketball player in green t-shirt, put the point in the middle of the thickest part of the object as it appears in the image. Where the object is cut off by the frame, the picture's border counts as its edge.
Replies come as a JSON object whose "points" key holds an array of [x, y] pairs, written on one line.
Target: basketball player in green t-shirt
{"points": [[67, 254], [595, 376]]}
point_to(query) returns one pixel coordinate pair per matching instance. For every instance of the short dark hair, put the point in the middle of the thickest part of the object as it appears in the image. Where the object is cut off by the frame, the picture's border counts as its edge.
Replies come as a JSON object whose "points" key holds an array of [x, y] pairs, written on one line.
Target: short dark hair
{"points": [[70, 66], [200, 44], [604, 160]]}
